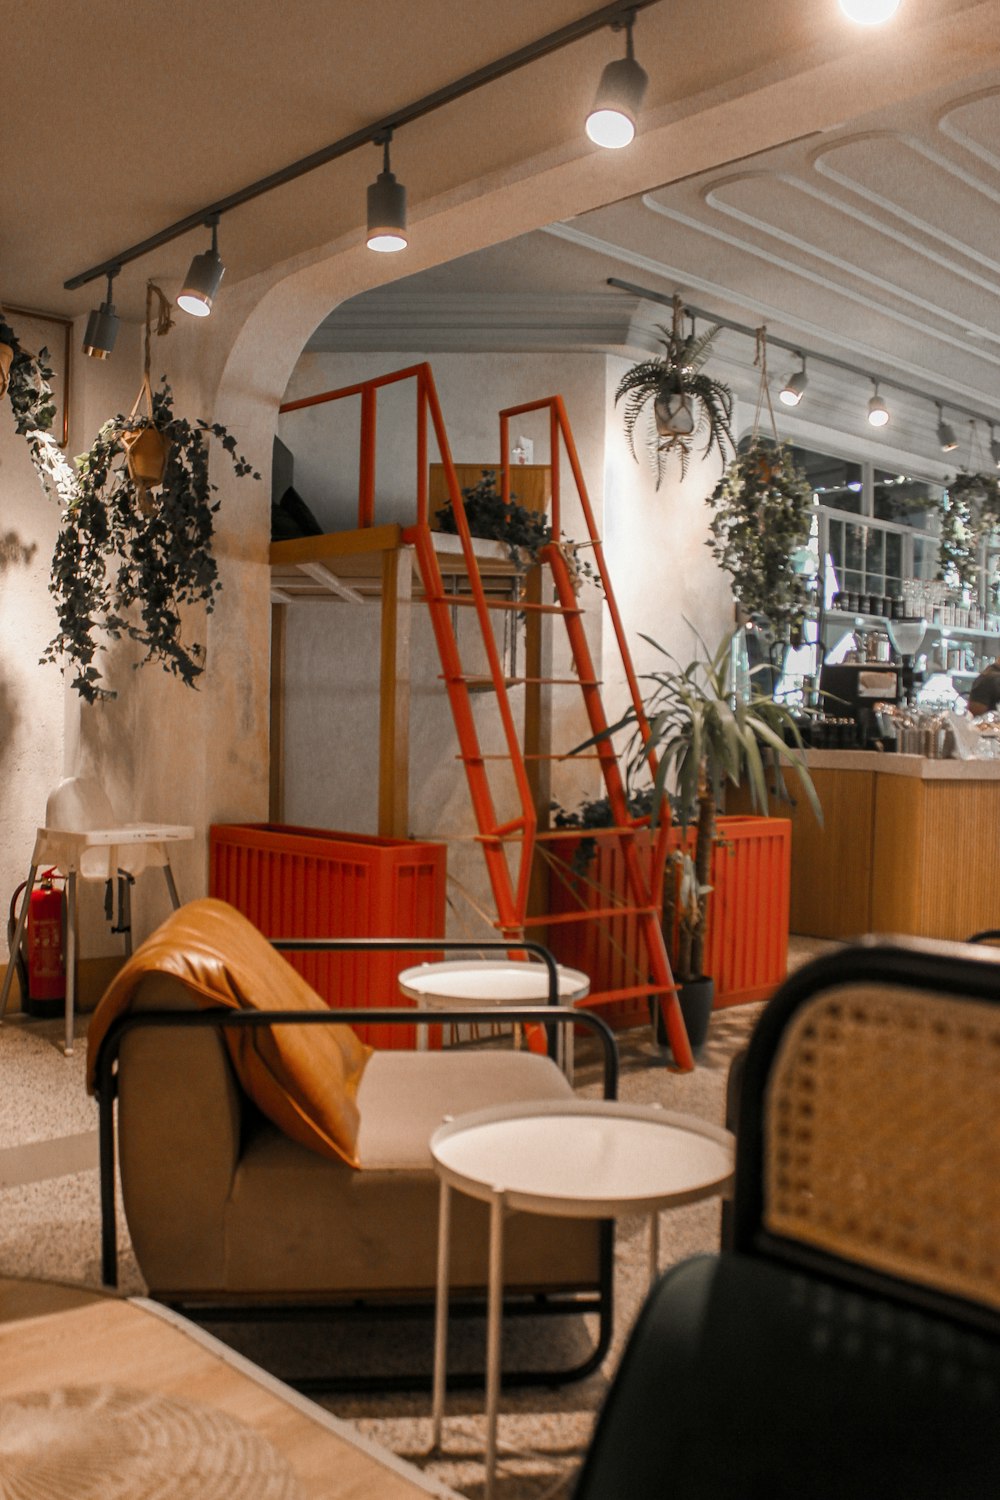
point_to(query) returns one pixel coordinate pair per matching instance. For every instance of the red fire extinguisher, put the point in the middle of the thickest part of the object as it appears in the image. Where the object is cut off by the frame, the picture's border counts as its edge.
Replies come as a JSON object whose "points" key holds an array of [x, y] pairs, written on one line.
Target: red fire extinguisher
{"points": [[43, 975]]}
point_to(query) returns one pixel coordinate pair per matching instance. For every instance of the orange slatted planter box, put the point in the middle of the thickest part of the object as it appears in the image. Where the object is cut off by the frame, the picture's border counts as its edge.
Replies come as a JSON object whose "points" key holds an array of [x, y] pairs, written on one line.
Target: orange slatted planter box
{"points": [[746, 951], [314, 882]]}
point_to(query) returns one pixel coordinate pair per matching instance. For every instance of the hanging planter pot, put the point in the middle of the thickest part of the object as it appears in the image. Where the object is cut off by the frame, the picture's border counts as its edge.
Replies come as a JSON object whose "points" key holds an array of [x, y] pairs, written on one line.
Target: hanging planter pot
{"points": [[676, 399], [147, 449], [146, 454], [674, 415], [6, 360]]}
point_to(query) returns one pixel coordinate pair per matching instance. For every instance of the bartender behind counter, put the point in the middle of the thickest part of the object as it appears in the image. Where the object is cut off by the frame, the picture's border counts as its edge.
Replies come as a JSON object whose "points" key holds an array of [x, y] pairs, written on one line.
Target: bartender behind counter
{"points": [[984, 694]]}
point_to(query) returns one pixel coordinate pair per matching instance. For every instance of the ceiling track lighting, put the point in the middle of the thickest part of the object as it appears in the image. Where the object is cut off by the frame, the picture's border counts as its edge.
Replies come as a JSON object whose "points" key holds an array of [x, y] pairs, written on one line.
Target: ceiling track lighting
{"points": [[793, 389], [612, 119], [204, 275], [878, 412], [386, 205], [947, 441], [615, 14], [102, 325]]}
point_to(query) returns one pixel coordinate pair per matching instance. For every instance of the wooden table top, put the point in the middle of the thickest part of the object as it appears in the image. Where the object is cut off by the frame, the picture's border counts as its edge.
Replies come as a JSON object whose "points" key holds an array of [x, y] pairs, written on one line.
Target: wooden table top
{"points": [[62, 1336]]}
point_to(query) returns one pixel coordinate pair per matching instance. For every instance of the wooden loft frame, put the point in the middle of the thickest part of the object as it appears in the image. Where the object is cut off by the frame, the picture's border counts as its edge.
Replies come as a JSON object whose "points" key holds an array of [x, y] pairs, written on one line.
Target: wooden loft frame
{"points": [[376, 563]]}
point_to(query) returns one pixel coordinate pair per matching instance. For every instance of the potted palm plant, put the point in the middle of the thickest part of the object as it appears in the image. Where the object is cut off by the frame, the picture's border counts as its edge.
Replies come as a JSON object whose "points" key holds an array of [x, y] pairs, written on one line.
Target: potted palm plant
{"points": [[683, 401], [703, 735]]}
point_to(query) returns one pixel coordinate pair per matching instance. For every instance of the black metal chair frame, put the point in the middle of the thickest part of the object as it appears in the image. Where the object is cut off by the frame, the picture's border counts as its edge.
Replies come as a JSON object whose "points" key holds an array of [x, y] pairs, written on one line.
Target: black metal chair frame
{"points": [[599, 1302], [903, 962]]}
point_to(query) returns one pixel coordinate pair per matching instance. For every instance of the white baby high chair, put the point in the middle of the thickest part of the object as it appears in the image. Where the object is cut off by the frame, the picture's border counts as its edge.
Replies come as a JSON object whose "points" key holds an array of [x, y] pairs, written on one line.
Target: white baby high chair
{"points": [[83, 838]]}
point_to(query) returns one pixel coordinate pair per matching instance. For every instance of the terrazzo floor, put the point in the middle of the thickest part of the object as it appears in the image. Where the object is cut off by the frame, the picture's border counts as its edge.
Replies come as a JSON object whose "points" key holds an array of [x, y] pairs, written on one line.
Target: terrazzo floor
{"points": [[49, 1229]]}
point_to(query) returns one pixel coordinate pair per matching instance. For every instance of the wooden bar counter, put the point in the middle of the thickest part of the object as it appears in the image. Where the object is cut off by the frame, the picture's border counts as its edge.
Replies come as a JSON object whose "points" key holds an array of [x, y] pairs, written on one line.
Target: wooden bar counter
{"points": [[908, 845]]}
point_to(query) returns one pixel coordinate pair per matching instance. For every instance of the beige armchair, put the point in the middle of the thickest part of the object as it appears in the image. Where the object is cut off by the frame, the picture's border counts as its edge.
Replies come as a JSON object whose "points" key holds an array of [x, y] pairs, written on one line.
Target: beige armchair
{"points": [[224, 1208]]}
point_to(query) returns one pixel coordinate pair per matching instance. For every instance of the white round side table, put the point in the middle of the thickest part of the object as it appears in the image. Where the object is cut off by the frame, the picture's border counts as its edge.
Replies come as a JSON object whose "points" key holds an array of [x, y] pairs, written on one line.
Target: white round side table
{"points": [[574, 1159], [462, 984]]}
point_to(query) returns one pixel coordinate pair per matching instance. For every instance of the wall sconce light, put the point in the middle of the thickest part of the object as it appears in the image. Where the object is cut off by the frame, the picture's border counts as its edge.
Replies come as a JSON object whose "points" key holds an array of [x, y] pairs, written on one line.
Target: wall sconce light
{"points": [[878, 412], [945, 432], [386, 205], [203, 277], [611, 122], [792, 391], [102, 325], [869, 12]]}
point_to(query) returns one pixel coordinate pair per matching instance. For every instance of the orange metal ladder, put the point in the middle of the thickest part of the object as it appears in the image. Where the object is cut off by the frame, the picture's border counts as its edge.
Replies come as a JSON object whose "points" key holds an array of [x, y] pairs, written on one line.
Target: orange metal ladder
{"points": [[520, 833]]}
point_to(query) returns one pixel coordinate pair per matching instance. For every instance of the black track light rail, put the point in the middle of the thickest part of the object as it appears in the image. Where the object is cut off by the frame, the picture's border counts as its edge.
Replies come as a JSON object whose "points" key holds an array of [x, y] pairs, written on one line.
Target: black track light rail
{"points": [[607, 15], [804, 353]]}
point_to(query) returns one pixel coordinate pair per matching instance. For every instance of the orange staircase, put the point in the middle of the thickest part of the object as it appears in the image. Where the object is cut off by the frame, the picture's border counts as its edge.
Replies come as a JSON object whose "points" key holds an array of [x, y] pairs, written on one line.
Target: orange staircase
{"points": [[509, 846]]}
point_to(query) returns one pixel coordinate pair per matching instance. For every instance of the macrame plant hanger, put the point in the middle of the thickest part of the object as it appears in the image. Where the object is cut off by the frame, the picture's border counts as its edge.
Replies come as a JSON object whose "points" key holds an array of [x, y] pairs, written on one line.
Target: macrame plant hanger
{"points": [[763, 390], [146, 449]]}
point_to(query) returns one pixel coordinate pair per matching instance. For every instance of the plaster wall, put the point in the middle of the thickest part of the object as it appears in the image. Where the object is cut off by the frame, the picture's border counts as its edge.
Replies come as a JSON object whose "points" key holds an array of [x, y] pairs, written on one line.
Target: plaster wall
{"points": [[42, 721], [667, 583]]}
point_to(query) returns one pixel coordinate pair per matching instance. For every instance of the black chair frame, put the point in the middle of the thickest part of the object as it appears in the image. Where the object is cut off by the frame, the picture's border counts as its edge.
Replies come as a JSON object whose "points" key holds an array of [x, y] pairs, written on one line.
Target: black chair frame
{"points": [[550, 1016], [901, 962]]}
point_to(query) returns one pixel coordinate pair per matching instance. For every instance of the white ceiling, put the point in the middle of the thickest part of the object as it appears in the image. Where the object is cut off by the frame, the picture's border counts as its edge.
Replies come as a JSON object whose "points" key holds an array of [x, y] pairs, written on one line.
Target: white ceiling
{"points": [[873, 240], [875, 243]]}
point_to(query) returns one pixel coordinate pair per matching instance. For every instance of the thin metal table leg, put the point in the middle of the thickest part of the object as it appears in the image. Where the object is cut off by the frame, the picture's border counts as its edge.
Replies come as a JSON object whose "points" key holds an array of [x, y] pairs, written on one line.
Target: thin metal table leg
{"points": [[70, 958], [441, 1314], [15, 945], [493, 1337], [168, 876], [654, 1245]]}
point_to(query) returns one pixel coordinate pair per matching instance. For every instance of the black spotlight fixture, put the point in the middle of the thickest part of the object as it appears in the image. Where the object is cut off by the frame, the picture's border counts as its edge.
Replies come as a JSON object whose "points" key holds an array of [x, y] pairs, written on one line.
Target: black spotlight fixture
{"points": [[947, 441], [102, 325], [611, 122], [792, 391], [204, 275], [386, 205]]}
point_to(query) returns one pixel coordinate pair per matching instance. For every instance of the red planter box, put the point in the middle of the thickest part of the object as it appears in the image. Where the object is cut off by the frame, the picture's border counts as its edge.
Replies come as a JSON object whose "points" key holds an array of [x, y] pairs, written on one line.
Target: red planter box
{"points": [[311, 882], [746, 950]]}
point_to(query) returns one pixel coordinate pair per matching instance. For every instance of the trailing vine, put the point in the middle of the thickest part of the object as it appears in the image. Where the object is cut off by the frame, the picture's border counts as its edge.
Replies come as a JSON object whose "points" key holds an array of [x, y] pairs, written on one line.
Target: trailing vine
{"points": [[522, 532], [125, 567], [968, 509], [126, 561], [763, 514]]}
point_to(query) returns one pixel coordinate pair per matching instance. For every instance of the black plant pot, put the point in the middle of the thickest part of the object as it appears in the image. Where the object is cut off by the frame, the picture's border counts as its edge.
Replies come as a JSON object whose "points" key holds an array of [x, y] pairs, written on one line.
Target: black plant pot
{"points": [[696, 999]]}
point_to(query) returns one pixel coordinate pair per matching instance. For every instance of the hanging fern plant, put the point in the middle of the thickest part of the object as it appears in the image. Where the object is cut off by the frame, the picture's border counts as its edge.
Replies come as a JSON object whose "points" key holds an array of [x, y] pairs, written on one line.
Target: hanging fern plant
{"points": [[683, 401], [763, 515], [126, 564]]}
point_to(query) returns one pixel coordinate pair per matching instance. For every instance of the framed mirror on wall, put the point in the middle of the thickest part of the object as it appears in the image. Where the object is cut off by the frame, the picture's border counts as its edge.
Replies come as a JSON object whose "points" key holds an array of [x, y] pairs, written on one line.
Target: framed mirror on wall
{"points": [[37, 331]]}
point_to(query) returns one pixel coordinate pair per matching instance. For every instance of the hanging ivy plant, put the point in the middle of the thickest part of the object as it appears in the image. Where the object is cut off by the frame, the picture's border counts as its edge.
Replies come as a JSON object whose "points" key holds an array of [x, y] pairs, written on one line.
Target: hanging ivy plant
{"points": [[126, 562], [763, 516], [523, 532], [969, 507]]}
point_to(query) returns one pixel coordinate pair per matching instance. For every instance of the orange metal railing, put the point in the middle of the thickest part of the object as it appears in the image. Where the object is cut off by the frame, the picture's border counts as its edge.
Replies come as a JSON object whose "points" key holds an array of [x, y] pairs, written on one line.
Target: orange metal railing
{"points": [[511, 896]]}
